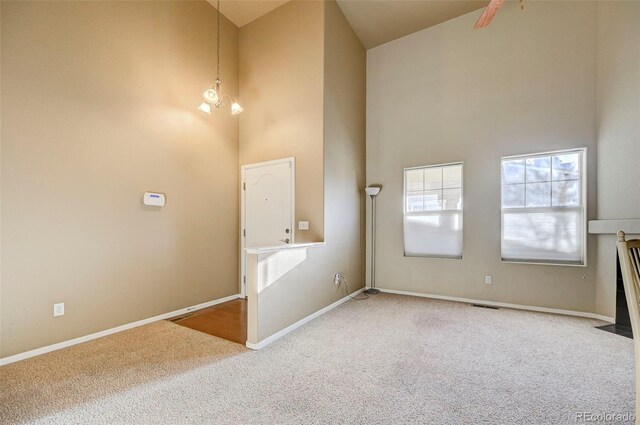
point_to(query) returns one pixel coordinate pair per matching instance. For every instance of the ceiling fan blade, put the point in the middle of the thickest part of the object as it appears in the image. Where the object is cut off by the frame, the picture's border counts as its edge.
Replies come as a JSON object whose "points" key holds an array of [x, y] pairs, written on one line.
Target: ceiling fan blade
{"points": [[488, 14]]}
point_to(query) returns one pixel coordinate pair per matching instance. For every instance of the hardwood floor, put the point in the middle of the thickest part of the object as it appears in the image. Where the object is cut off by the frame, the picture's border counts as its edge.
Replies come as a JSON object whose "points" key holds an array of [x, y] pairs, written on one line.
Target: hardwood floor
{"points": [[227, 320]]}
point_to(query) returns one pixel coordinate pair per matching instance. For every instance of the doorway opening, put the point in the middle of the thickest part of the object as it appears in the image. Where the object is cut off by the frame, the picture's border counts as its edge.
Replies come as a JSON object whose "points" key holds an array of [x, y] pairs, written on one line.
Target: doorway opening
{"points": [[267, 217], [227, 320]]}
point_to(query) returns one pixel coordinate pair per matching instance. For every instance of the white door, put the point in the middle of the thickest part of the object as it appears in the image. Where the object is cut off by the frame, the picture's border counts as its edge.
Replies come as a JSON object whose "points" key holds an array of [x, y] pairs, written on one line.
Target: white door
{"points": [[267, 206]]}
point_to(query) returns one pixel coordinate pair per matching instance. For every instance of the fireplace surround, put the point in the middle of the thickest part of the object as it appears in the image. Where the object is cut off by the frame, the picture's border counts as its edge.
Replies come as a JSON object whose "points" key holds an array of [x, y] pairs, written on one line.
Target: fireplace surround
{"points": [[622, 326], [610, 228]]}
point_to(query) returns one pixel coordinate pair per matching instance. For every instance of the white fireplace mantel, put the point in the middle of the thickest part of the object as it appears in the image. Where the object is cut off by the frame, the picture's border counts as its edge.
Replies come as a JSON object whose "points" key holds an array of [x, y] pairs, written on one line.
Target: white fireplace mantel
{"points": [[630, 226]]}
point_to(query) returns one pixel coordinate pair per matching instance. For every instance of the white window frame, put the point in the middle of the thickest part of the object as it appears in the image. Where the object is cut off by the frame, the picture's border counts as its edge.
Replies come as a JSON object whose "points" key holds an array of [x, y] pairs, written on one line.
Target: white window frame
{"points": [[404, 209], [583, 206]]}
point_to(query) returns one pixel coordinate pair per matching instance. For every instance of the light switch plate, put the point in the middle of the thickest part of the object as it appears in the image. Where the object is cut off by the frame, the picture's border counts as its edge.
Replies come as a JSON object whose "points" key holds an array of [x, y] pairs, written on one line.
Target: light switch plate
{"points": [[303, 225]]}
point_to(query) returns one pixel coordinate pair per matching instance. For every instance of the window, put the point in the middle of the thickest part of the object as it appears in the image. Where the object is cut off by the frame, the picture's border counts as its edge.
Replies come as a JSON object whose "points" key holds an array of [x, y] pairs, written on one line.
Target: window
{"points": [[543, 208], [433, 211]]}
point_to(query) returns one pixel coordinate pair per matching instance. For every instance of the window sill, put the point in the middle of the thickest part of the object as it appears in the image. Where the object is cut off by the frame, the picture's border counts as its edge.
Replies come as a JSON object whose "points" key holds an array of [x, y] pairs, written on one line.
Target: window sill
{"points": [[533, 263]]}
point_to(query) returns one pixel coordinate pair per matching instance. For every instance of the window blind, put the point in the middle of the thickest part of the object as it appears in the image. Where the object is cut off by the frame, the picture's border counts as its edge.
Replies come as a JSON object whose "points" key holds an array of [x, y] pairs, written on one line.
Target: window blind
{"points": [[543, 214], [433, 211]]}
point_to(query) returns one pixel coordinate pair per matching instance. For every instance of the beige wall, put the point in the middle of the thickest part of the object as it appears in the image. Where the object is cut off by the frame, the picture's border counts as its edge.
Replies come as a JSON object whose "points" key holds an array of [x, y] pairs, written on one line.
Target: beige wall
{"points": [[618, 121], [292, 59], [281, 79], [344, 145], [450, 93], [1, 309], [98, 106]]}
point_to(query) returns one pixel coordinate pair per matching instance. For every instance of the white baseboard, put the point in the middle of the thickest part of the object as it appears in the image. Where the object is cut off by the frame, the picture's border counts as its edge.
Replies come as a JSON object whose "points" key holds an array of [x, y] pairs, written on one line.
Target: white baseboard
{"points": [[504, 305], [79, 340], [300, 322]]}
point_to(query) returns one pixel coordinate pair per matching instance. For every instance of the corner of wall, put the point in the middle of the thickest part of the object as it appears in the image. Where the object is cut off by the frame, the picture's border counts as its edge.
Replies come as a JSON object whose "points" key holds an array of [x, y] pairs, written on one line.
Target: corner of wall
{"points": [[618, 132], [321, 122]]}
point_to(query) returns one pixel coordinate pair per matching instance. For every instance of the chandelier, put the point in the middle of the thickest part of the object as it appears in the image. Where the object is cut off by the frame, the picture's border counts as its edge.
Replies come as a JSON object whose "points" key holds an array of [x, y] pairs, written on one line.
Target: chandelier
{"points": [[213, 96]]}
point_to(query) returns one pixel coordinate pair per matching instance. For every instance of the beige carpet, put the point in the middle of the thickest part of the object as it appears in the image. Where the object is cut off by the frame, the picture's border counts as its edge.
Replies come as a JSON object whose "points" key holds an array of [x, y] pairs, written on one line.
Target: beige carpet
{"points": [[386, 360]]}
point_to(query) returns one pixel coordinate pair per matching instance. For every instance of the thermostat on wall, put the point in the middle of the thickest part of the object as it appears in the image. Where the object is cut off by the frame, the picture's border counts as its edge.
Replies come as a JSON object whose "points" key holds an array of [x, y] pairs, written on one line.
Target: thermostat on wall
{"points": [[154, 199]]}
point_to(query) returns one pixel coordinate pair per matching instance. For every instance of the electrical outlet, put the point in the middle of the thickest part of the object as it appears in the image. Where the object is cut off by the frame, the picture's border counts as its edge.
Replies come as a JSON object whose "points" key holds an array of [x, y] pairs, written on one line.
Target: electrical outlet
{"points": [[58, 310], [487, 279], [337, 280]]}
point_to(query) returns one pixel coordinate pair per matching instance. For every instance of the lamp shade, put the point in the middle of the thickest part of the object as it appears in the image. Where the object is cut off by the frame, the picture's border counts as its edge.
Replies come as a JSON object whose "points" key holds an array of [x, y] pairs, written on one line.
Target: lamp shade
{"points": [[372, 190], [205, 107], [236, 108], [210, 96]]}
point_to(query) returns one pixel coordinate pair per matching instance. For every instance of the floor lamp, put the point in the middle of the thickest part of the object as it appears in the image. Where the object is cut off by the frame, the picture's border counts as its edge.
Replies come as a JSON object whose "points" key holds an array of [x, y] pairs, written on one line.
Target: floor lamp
{"points": [[373, 191]]}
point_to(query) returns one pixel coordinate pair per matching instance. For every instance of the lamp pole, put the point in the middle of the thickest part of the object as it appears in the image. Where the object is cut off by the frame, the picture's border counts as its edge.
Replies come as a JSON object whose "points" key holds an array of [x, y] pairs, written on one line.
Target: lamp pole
{"points": [[373, 192]]}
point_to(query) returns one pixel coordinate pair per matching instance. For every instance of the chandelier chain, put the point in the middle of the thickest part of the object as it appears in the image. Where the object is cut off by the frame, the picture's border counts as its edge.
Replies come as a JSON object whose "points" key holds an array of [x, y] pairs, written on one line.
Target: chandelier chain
{"points": [[218, 42]]}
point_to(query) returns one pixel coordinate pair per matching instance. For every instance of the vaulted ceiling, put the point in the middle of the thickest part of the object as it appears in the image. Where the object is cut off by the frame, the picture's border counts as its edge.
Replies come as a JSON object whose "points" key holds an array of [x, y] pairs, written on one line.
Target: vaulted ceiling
{"points": [[241, 12], [380, 21], [374, 21]]}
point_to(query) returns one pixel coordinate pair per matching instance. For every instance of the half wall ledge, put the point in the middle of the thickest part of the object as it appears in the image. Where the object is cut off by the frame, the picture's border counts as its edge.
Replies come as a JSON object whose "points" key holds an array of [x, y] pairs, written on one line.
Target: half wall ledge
{"points": [[630, 226]]}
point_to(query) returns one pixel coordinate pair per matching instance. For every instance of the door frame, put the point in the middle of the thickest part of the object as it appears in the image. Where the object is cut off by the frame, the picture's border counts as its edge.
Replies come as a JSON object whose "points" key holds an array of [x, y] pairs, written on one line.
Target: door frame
{"points": [[292, 162]]}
